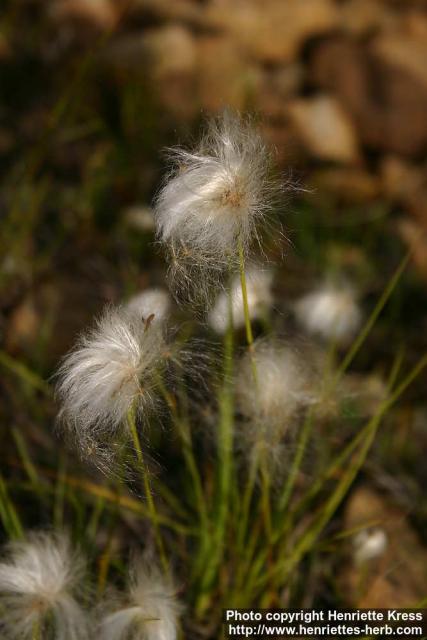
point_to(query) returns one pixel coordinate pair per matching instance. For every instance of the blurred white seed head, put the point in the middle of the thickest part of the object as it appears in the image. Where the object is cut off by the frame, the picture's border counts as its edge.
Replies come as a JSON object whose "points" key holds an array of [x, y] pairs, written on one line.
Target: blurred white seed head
{"points": [[216, 196], [282, 382], [38, 582], [151, 610], [140, 217], [260, 299], [369, 544], [272, 401], [111, 369], [330, 312], [155, 301]]}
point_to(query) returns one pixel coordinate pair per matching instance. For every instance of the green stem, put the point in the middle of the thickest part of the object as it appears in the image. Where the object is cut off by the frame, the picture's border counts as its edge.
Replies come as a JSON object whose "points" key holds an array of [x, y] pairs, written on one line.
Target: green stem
{"points": [[97, 510], [226, 424], [296, 463], [8, 513], [249, 339], [308, 539], [104, 561], [246, 560], [343, 455], [27, 463], [147, 488], [187, 446], [58, 504], [265, 485], [335, 380], [36, 632], [248, 326], [23, 372], [258, 577], [372, 318], [265, 499], [225, 465], [246, 502]]}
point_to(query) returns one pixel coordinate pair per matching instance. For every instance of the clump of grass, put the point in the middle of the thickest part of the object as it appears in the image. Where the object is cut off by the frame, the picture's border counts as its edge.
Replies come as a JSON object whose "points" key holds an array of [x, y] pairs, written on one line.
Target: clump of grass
{"points": [[232, 513]]}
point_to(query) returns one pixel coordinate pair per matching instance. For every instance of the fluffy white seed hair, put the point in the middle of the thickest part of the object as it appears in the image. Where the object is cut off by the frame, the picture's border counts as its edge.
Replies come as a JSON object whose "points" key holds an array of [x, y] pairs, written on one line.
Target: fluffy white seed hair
{"points": [[111, 370], [154, 300], [216, 197], [271, 401], [38, 582], [151, 611], [330, 312], [260, 299], [282, 382], [369, 544]]}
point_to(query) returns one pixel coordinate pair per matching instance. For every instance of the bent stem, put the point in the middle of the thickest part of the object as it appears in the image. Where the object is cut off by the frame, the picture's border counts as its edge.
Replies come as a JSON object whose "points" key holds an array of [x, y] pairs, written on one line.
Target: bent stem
{"points": [[147, 488]]}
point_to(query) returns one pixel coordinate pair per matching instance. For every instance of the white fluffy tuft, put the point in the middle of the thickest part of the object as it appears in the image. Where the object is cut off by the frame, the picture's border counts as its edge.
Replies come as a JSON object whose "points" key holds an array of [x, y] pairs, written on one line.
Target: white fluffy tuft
{"points": [[260, 299], [216, 197], [272, 406], [153, 300], [331, 312], [150, 613], [112, 369], [369, 544], [37, 585], [282, 383]]}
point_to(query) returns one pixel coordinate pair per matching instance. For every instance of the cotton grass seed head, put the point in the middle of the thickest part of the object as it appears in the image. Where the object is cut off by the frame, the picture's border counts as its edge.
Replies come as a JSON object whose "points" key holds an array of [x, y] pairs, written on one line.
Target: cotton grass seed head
{"points": [[259, 294], [330, 312], [150, 612], [282, 383], [274, 384], [38, 582], [369, 544], [113, 368], [154, 300], [216, 199]]}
